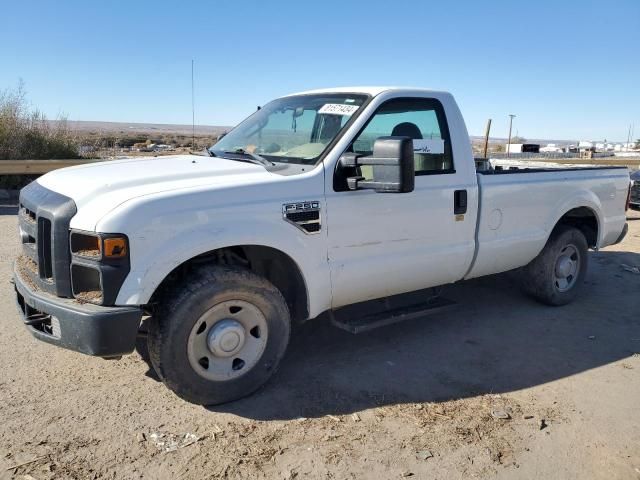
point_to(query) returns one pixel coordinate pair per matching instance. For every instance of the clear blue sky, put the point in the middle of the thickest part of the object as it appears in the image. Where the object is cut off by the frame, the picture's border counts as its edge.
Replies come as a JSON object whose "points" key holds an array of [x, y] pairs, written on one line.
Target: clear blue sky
{"points": [[568, 69]]}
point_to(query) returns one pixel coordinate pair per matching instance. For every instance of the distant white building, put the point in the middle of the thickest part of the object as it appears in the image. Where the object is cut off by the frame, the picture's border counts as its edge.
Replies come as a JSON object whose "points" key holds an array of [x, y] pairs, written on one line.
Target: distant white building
{"points": [[513, 148], [522, 148], [624, 147], [605, 147]]}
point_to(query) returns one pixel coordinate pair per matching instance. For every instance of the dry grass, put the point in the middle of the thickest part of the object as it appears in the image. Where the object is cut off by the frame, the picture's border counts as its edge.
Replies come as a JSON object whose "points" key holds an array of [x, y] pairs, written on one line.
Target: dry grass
{"points": [[25, 133]]}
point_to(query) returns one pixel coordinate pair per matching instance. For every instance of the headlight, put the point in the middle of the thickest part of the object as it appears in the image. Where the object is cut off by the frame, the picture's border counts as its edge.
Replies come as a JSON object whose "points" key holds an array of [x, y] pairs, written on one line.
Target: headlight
{"points": [[98, 246], [86, 245], [99, 265]]}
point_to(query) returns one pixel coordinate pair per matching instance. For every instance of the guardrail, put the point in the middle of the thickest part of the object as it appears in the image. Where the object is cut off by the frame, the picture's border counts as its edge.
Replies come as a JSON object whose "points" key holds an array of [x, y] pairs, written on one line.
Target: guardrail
{"points": [[37, 167]]}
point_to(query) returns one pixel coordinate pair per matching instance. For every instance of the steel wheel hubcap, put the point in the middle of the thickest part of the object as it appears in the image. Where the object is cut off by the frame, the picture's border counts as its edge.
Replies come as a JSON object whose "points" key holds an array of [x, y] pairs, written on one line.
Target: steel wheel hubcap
{"points": [[567, 267], [227, 340]]}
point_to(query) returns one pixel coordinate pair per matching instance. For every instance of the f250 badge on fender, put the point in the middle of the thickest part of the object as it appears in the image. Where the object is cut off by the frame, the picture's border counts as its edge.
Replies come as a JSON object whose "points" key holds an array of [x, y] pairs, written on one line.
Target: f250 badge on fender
{"points": [[304, 215]]}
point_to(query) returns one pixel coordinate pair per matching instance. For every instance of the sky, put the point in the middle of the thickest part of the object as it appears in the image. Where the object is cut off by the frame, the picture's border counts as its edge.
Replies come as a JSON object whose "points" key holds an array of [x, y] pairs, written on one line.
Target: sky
{"points": [[567, 69]]}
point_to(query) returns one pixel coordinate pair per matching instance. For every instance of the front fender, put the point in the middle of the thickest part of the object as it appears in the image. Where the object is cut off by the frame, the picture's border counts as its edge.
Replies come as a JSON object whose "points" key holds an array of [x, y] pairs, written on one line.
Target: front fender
{"points": [[168, 228], [157, 252]]}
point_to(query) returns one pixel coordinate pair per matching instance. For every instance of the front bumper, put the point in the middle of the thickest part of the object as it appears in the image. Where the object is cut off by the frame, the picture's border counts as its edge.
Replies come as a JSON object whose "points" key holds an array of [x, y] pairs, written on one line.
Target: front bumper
{"points": [[83, 327]]}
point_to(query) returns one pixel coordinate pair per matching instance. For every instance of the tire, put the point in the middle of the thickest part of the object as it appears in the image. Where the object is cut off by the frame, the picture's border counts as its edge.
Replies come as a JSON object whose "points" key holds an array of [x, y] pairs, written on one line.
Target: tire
{"points": [[204, 318], [543, 278]]}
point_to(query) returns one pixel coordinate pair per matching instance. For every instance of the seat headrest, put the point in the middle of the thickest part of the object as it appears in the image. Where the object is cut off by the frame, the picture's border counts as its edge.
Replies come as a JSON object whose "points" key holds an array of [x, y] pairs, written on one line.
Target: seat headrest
{"points": [[407, 129]]}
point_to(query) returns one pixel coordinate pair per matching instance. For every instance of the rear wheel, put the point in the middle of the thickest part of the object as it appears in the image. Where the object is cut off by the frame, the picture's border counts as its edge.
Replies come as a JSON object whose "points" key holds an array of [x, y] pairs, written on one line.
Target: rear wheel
{"points": [[556, 275], [220, 336]]}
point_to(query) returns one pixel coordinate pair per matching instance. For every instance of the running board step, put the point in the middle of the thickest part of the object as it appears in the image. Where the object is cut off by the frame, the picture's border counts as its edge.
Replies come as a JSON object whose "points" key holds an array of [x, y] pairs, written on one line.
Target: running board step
{"points": [[347, 320]]}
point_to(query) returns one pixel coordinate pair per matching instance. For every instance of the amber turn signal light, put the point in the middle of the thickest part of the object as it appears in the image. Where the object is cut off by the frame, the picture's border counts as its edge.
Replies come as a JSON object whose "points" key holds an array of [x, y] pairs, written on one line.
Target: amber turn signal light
{"points": [[114, 247]]}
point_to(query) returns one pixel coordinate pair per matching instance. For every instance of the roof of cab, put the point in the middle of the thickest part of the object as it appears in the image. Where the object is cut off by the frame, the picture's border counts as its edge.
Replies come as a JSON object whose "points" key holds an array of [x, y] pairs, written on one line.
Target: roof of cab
{"points": [[373, 91]]}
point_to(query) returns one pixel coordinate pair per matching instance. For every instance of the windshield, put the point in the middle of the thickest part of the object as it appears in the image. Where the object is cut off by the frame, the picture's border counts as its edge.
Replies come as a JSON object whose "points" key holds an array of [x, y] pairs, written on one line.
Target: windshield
{"points": [[293, 129]]}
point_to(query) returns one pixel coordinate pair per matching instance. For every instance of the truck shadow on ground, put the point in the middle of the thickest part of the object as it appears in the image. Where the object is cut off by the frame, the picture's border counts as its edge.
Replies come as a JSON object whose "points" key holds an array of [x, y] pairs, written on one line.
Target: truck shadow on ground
{"points": [[496, 340]]}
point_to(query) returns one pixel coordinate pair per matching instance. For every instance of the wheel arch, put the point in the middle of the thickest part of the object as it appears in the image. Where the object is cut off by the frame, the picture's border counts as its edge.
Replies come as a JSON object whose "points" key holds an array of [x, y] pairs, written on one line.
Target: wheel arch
{"points": [[584, 219], [269, 262], [581, 209]]}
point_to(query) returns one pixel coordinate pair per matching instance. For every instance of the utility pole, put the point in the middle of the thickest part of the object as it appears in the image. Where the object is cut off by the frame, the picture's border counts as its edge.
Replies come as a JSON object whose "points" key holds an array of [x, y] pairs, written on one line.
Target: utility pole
{"points": [[486, 138], [511, 116], [193, 112]]}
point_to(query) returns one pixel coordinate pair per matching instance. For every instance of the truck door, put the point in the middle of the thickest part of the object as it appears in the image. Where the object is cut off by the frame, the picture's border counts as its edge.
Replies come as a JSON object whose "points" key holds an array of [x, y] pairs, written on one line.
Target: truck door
{"points": [[382, 244]]}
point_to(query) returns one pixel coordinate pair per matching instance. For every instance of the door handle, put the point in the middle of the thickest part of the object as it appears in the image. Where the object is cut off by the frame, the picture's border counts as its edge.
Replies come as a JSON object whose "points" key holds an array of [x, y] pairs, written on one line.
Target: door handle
{"points": [[459, 202]]}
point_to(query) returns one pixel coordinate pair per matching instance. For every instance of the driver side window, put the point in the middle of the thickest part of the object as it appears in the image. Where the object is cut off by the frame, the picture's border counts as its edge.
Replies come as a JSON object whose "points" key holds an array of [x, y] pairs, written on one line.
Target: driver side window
{"points": [[421, 119]]}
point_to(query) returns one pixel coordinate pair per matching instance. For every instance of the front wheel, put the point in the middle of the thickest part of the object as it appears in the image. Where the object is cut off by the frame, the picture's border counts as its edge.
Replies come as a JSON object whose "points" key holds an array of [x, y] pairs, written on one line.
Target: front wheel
{"points": [[556, 275], [220, 336]]}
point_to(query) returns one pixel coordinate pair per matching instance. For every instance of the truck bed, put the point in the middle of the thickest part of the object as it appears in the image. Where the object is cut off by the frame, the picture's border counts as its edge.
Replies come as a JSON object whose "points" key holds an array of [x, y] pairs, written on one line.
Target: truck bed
{"points": [[519, 207]]}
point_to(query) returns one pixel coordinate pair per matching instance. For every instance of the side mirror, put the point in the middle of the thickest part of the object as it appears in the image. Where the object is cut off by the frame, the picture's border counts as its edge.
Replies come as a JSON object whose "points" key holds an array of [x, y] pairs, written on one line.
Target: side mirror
{"points": [[393, 166]]}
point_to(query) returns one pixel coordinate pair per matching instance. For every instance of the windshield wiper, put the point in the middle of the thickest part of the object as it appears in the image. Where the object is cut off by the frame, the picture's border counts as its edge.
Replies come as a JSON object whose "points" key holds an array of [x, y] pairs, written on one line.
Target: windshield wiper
{"points": [[253, 156]]}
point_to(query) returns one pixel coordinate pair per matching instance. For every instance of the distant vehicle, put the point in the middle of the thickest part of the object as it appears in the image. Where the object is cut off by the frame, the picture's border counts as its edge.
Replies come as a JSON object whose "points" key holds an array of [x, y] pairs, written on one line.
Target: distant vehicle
{"points": [[318, 203], [634, 194], [163, 148], [551, 148]]}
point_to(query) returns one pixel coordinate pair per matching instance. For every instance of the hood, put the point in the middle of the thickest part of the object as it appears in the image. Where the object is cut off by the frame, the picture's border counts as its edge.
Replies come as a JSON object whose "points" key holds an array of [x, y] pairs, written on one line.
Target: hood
{"points": [[96, 188]]}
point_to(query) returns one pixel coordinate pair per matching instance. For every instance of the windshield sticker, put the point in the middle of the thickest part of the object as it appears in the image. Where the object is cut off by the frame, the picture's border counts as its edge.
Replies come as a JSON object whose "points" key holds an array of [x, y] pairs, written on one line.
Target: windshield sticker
{"points": [[338, 109], [428, 145]]}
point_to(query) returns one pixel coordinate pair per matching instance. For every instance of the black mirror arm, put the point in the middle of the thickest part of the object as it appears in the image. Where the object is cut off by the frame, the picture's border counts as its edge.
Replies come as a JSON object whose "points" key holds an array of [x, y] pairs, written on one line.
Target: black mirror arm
{"points": [[380, 161], [359, 183], [354, 182], [351, 160]]}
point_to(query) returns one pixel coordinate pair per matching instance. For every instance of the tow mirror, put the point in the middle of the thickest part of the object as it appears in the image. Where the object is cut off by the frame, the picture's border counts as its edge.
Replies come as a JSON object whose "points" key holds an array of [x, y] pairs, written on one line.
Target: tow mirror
{"points": [[392, 165]]}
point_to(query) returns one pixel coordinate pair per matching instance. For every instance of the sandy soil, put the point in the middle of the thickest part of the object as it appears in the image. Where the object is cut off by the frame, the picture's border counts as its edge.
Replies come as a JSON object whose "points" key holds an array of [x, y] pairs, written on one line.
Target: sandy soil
{"points": [[421, 399]]}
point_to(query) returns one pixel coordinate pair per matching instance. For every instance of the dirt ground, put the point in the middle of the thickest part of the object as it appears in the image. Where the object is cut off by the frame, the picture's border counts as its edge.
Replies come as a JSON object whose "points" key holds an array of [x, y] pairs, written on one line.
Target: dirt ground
{"points": [[420, 399]]}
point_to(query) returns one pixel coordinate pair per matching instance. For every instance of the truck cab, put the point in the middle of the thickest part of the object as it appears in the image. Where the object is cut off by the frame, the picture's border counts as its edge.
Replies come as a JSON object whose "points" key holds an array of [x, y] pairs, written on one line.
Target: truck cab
{"points": [[392, 231]]}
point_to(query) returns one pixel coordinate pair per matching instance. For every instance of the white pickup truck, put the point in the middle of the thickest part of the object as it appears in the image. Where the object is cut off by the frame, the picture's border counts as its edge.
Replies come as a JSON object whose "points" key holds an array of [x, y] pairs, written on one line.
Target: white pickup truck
{"points": [[322, 202]]}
